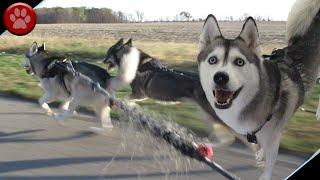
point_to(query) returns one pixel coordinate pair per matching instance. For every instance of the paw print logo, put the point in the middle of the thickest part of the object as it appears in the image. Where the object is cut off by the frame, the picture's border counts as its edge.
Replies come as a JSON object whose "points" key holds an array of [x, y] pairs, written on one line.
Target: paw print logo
{"points": [[19, 19]]}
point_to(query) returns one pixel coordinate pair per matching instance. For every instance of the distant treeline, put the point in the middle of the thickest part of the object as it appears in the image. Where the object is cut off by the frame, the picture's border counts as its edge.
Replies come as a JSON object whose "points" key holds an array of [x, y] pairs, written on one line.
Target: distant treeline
{"points": [[79, 15], [106, 15]]}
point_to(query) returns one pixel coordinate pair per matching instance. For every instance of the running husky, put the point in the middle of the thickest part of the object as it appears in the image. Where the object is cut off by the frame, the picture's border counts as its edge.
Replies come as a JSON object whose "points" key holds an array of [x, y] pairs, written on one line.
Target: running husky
{"points": [[153, 79], [257, 97], [68, 87]]}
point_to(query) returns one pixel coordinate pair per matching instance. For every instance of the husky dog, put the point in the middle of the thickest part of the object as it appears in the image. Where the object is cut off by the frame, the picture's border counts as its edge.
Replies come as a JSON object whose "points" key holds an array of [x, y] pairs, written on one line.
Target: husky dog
{"points": [[257, 97], [127, 59], [68, 87], [153, 79]]}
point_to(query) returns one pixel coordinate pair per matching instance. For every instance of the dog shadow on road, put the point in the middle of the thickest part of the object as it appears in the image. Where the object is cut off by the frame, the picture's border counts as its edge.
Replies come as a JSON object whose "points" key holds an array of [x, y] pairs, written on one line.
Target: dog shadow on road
{"points": [[21, 165], [25, 136]]}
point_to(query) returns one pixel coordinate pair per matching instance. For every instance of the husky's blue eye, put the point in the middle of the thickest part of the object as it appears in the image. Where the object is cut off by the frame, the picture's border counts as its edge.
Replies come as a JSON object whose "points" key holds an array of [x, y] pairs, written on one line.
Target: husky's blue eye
{"points": [[239, 62], [212, 60]]}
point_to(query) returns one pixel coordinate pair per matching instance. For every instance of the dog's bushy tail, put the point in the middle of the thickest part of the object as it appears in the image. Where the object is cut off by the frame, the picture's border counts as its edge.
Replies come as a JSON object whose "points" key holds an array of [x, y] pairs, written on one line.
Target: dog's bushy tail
{"points": [[303, 33], [301, 17]]}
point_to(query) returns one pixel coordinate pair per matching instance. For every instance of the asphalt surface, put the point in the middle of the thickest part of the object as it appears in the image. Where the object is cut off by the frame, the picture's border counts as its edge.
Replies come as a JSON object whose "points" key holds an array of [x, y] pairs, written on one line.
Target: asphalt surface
{"points": [[34, 146]]}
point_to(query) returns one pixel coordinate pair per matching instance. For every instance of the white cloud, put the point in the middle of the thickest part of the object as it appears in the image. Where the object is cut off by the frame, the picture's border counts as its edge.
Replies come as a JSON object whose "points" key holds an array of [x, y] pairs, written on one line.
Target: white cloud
{"points": [[275, 9]]}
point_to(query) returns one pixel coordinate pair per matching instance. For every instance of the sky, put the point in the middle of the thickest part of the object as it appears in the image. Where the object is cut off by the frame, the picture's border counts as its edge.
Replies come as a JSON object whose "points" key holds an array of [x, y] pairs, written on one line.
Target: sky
{"points": [[157, 9]]}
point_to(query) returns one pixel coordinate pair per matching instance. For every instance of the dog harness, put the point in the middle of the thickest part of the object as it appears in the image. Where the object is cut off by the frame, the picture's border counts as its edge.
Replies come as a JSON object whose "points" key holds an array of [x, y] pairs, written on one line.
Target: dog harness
{"points": [[292, 71], [54, 69]]}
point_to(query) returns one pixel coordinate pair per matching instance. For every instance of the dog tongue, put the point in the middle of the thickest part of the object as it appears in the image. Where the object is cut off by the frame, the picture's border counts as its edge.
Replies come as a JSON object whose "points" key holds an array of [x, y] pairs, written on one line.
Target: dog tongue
{"points": [[223, 96]]}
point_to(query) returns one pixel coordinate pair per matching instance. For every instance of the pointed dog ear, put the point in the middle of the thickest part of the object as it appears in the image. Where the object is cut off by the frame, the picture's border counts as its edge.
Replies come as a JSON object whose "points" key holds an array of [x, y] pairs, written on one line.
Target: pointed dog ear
{"points": [[33, 49], [120, 42], [250, 34], [42, 47], [209, 33], [129, 42]]}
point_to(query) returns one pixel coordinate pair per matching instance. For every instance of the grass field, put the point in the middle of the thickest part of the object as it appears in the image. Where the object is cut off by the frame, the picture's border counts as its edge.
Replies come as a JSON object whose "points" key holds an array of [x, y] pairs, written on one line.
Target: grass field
{"points": [[301, 135]]}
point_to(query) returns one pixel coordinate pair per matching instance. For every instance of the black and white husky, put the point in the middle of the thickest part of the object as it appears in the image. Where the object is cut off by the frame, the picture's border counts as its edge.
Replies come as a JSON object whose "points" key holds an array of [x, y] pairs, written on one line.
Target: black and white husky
{"points": [[153, 79], [73, 90], [257, 97]]}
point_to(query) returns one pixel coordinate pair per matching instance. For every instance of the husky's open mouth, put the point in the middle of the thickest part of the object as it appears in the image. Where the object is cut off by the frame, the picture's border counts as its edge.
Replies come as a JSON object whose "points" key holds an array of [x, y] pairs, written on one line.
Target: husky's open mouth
{"points": [[109, 62], [110, 65], [224, 98]]}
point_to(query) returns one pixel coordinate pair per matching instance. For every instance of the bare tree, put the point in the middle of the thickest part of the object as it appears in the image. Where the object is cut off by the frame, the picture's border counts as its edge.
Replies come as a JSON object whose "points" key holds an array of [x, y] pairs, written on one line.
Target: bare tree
{"points": [[140, 15], [79, 15], [186, 15], [131, 18]]}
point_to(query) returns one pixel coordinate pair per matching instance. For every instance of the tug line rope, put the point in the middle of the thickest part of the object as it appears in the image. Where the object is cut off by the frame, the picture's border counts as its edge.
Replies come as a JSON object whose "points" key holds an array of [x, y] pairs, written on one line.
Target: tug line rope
{"points": [[186, 147]]}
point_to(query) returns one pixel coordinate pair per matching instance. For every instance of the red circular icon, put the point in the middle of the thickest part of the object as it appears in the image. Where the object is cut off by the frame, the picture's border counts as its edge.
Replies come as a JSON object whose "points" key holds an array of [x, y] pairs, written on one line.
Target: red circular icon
{"points": [[20, 19]]}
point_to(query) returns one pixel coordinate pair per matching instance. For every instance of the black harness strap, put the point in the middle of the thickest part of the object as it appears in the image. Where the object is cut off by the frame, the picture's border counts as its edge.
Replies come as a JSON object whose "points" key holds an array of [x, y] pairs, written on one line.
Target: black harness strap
{"points": [[62, 81], [251, 137]]}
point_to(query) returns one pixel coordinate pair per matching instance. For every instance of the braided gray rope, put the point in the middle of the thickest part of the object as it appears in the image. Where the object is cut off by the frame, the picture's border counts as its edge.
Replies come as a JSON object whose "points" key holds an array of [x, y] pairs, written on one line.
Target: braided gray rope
{"points": [[186, 146]]}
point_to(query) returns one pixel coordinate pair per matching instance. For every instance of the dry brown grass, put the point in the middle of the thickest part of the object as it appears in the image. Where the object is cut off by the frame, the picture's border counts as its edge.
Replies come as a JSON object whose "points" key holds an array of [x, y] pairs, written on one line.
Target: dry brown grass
{"points": [[271, 32], [172, 42]]}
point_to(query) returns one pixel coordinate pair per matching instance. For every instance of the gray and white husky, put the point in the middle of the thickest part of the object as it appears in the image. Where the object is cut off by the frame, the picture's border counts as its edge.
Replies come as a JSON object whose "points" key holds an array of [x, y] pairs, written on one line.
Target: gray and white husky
{"points": [[73, 90], [257, 97]]}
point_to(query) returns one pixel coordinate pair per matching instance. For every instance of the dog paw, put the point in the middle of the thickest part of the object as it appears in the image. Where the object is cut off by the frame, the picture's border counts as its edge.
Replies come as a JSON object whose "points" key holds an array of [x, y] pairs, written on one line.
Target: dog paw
{"points": [[50, 113], [260, 164], [260, 158], [100, 130], [107, 126]]}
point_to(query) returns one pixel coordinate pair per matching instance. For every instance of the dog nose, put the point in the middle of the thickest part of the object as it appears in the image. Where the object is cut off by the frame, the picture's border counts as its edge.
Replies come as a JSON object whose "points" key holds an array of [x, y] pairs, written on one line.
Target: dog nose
{"points": [[221, 78]]}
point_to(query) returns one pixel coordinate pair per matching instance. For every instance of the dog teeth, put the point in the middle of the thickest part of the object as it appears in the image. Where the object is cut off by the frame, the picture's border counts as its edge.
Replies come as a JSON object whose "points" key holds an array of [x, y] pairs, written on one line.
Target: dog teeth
{"points": [[223, 104]]}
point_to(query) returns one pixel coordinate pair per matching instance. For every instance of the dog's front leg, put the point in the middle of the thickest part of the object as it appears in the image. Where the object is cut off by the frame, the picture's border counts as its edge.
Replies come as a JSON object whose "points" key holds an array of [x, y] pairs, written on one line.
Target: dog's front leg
{"points": [[269, 140], [103, 114], [65, 106], [74, 103], [44, 100]]}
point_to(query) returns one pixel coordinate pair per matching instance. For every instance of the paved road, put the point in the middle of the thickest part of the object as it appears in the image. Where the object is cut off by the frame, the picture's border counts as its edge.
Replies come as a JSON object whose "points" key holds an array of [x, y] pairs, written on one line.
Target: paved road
{"points": [[33, 146]]}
